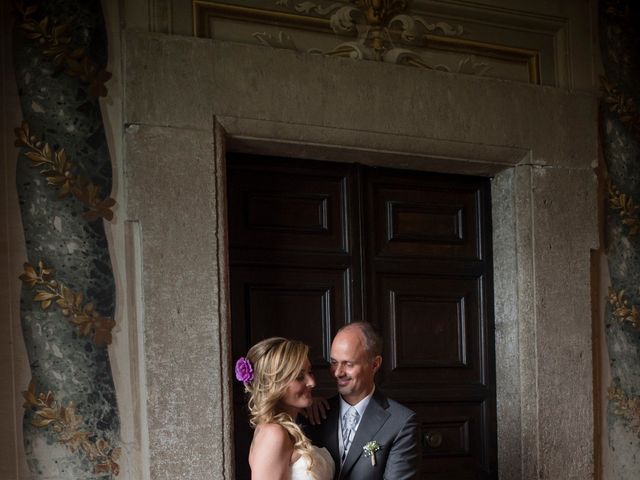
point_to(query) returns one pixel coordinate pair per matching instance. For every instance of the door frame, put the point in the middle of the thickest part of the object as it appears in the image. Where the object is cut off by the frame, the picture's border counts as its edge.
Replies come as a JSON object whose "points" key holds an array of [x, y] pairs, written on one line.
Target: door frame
{"points": [[543, 208]]}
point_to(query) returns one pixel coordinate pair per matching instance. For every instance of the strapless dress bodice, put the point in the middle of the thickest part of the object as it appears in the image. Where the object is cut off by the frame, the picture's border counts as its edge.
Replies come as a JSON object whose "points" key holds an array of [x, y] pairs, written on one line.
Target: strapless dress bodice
{"points": [[321, 469]]}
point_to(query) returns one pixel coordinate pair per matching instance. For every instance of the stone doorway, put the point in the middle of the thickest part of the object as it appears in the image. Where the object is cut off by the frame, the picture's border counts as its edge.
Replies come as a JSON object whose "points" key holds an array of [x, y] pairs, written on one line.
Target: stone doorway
{"points": [[543, 216]]}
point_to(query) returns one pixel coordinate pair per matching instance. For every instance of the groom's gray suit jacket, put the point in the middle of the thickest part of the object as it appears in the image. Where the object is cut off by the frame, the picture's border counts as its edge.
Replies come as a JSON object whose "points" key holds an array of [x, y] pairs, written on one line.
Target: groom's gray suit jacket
{"points": [[392, 425]]}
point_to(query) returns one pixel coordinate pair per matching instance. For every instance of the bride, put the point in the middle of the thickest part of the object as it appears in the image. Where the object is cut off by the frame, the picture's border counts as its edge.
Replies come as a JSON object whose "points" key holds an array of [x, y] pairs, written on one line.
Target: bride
{"points": [[278, 380]]}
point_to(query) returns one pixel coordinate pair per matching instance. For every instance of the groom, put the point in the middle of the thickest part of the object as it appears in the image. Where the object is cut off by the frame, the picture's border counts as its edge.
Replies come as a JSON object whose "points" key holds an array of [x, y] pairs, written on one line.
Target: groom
{"points": [[369, 436]]}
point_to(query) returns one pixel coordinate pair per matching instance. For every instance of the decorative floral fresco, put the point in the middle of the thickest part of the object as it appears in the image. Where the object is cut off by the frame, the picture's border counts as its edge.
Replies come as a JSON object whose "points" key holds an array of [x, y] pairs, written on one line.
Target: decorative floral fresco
{"points": [[620, 136], [379, 28], [71, 422], [390, 31]]}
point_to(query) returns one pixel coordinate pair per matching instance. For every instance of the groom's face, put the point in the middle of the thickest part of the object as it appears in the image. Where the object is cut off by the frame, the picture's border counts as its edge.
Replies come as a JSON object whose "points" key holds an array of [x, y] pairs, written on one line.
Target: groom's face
{"points": [[352, 366]]}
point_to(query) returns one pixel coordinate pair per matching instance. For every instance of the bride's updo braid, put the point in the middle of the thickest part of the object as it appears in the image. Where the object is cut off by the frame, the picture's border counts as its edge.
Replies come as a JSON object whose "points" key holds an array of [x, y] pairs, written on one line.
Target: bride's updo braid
{"points": [[276, 363]]}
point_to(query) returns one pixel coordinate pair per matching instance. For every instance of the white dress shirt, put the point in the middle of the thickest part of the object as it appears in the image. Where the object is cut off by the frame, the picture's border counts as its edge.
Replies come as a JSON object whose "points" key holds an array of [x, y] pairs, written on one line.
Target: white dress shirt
{"points": [[360, 407]]}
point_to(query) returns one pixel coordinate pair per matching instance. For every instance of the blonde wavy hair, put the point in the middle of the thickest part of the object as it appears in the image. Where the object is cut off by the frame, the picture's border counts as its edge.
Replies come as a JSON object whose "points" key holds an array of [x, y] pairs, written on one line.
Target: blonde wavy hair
{"points": [[276, 363]]}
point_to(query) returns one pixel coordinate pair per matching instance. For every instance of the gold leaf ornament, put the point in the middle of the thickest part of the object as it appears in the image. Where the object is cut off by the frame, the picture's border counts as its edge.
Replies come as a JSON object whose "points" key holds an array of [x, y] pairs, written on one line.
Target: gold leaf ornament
{"points": [[627, 407], [626, 207], [57, 169], [45, 299], [30, 399], [71, 304], [68, 427], [622, 312], [622, 105], [43, 422], [56, 44], [29, 277]]}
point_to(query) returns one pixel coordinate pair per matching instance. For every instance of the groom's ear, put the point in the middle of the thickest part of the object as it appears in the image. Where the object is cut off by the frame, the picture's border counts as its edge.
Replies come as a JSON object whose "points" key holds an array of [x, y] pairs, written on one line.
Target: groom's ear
{"points": [[377, 363]]}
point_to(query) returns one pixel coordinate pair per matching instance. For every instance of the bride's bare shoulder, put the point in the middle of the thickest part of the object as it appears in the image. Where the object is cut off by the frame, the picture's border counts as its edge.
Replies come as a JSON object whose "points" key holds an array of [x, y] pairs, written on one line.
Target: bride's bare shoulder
{"points": [[271, 436], [270, 453], [270, 429]]}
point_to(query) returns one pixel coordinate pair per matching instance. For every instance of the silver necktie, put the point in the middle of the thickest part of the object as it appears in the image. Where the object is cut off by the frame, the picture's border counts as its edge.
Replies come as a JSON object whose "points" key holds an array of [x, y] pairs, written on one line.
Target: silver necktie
{"points": [[349, 422]]}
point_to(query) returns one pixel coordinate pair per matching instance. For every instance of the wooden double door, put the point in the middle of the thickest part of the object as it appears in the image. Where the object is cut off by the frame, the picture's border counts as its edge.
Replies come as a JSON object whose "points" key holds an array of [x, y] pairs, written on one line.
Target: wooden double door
{"points": [[316, 245]]}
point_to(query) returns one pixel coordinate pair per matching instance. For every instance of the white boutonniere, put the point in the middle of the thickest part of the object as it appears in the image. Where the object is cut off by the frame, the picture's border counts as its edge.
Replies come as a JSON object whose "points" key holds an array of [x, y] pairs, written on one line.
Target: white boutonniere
{"points": [[370, 450]]}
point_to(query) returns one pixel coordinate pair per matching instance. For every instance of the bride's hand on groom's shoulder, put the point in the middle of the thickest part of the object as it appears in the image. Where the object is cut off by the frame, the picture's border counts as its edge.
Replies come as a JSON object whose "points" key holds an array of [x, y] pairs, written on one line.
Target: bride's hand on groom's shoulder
{"points": [[317, 412]]}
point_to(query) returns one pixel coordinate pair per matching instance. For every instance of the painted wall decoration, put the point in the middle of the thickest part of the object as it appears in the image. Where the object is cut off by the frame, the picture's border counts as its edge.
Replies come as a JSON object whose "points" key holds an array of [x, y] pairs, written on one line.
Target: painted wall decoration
{"points": [[391, 31], [620, 133], [71, 423]]}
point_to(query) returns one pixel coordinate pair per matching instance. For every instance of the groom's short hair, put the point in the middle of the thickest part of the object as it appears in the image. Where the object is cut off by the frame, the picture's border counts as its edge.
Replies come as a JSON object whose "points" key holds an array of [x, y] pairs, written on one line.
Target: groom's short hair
{"points": [[372, 339]]}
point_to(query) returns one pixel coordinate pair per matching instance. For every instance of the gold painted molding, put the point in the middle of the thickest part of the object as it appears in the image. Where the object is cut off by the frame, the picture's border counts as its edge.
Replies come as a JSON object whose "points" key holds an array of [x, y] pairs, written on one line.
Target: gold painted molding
{"points": [[204, 11], [531, 58]]}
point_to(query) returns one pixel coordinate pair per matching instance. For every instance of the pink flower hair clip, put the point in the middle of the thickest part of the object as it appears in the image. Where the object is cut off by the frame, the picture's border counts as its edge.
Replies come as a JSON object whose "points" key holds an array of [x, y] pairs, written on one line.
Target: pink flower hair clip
{"points": [[244, 370]]}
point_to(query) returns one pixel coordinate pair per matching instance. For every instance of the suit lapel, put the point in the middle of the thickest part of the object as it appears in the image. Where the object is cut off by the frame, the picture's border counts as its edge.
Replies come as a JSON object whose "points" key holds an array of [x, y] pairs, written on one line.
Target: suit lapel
{"points": [[374, 417], [331, 433]]}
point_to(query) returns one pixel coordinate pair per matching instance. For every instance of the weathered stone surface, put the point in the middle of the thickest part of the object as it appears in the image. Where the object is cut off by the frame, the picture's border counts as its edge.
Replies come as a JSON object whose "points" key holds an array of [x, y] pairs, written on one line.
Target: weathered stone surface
{"points": [[508, 375], [172, 179], [260, 83], [565, 229]]}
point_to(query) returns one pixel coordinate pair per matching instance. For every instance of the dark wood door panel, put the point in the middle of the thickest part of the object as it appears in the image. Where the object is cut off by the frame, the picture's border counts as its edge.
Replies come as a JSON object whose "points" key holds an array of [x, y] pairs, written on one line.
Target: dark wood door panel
{"points": [[294, 210], [309, 305], [425, 216], [455, 439], [432, 329], [317, 245]]}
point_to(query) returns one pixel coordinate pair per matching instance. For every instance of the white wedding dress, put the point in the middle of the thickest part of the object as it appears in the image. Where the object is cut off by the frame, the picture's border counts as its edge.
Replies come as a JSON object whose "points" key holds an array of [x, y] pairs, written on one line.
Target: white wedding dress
{"points": [[322, 468]]}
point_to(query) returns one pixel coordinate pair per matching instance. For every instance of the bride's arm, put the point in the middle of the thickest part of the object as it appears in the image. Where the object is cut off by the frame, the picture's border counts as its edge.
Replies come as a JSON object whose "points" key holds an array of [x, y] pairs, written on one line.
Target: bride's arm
{"points": [[270, 455]]}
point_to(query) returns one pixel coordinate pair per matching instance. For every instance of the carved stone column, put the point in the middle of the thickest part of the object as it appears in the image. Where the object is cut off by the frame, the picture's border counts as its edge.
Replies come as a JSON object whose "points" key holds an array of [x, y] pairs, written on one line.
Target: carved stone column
{"points": [[71, 422]]}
